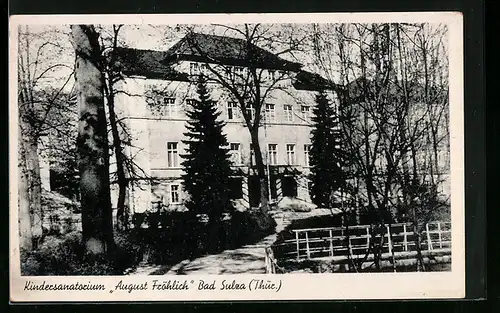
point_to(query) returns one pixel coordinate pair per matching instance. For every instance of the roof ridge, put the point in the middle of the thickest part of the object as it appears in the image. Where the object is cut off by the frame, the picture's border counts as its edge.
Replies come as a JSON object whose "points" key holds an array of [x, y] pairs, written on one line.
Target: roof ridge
{"points": [[214, 35]]}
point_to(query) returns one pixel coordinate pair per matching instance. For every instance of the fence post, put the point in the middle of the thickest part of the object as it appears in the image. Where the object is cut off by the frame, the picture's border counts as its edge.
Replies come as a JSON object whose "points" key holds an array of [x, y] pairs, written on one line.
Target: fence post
{"points": [[331, 243], [405, 238], [389, 242], [308, 253], [268, 266], [429, 241], [298, 245], [367, 238], [440, 238], [307, 246]]}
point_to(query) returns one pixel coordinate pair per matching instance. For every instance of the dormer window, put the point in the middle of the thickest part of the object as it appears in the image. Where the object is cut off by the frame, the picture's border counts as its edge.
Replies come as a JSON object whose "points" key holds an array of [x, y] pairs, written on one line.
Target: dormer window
{"points": [[306, 112], [170, 108], [270, 112], [271, 74], [239, 71], [194, 69], [190, 101]]}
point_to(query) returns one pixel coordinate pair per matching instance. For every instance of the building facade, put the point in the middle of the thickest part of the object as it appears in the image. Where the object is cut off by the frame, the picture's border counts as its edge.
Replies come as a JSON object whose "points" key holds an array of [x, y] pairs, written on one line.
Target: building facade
{"points": [[156, 91], [158, 86]]}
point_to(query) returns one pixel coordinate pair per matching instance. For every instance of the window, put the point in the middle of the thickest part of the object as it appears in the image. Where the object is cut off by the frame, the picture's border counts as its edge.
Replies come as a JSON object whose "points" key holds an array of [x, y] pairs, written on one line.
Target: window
{"points": [[232, 110], [250, 111], [272, 150], [270, 112], [239, 71], [271, 74], [235, 152], [288, 112], [169, 107], [194, 69], [307, 150], [174, 193], [229, 72], [172, 154], [306, 111], [190, 101], [290, 154], [252, 155]]}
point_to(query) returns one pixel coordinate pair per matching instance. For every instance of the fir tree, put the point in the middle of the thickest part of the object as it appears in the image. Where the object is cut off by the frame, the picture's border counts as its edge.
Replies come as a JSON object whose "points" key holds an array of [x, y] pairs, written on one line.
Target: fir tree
{"points": [[325, 155], [206, 164]]}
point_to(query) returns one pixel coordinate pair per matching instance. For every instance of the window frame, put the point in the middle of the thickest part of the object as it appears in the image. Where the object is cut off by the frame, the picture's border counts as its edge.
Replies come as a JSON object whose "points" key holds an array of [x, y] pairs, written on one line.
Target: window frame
{"points": [[250, 107], [291, 153], [175, 155], [237, 152], [274, 153], [233, 105], [306, 115], [307, 154], [194, 68], [177, 193], [191, 101], [170, 106], [288, 113], [270, 117]]}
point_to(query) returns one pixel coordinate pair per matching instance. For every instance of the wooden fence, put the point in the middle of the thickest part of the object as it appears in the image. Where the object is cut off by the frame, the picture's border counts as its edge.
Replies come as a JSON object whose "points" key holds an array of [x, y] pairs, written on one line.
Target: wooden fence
{"points": [[338, 243]]}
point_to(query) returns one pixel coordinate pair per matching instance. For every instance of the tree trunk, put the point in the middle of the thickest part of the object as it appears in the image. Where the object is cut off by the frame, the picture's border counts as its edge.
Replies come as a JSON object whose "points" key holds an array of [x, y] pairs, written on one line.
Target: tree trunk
{"points": [[35, 189], [23, 200], [261, 172], [28, 143], [92, 142], [418, 242], [121, 219]]}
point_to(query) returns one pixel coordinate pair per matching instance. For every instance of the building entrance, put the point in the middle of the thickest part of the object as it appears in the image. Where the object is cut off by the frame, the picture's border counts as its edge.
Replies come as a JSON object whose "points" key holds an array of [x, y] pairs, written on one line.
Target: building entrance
{"points": [[289, 185]]}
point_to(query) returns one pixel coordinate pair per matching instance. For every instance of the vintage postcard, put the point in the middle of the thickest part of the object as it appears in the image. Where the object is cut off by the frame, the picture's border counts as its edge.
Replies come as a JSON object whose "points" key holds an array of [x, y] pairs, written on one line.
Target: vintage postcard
{"points": [[236, 157]]}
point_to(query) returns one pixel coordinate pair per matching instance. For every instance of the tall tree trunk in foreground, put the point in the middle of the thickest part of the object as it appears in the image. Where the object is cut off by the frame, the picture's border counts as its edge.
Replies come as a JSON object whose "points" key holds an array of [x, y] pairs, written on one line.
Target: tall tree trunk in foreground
{"points": [[25, 237], [92, 142], [31, 185]]}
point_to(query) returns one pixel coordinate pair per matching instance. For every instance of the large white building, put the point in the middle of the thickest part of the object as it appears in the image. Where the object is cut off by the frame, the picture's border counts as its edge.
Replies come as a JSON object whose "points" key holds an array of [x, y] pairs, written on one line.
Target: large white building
{"points": [[158, 86]]}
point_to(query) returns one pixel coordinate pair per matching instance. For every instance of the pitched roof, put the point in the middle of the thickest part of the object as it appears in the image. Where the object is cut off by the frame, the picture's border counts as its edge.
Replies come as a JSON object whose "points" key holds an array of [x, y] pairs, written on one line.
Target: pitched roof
{"points": [[305, 80], [146, 63], [225, 50]]}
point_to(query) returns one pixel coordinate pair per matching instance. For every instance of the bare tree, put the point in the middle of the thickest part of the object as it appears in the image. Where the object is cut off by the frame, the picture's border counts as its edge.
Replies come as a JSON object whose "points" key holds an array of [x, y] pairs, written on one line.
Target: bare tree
{"points": [[35, 67], [252, 86], [127, 173], [384, 126], [97, 224]]}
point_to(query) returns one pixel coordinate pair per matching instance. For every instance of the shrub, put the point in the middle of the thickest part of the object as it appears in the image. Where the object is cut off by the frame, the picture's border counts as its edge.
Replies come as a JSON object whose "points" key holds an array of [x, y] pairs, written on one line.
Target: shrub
{"points": [[295, 205], [66, 255], [249, 226]]}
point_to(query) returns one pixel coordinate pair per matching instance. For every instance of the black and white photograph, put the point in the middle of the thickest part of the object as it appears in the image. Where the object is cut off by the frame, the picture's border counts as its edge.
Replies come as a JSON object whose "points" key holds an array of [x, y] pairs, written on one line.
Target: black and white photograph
{"points": [[228, 147]]}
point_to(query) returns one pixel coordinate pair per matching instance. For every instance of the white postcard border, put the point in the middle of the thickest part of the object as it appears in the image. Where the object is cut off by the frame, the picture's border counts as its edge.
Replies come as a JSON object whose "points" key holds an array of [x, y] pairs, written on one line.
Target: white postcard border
{"points": [[292, 286]]}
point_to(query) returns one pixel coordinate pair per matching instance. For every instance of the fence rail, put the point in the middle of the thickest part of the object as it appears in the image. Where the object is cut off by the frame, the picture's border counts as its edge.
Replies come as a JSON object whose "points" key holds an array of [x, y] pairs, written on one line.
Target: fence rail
{"points": [[355, 241]]}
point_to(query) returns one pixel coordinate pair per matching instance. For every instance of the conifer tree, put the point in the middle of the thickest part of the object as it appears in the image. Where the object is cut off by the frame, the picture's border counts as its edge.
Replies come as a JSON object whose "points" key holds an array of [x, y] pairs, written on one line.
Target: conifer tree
{"points": [[207, 166], [325, 155]]}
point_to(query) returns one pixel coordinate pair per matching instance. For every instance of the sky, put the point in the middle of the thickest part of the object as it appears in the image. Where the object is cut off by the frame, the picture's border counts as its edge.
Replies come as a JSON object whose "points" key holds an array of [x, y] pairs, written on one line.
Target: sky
{"points": [[161, 37]]}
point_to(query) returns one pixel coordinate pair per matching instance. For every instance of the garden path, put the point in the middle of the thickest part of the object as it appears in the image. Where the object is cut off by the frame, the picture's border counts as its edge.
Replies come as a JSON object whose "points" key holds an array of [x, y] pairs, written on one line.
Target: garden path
{"points": [[248, 259]]}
